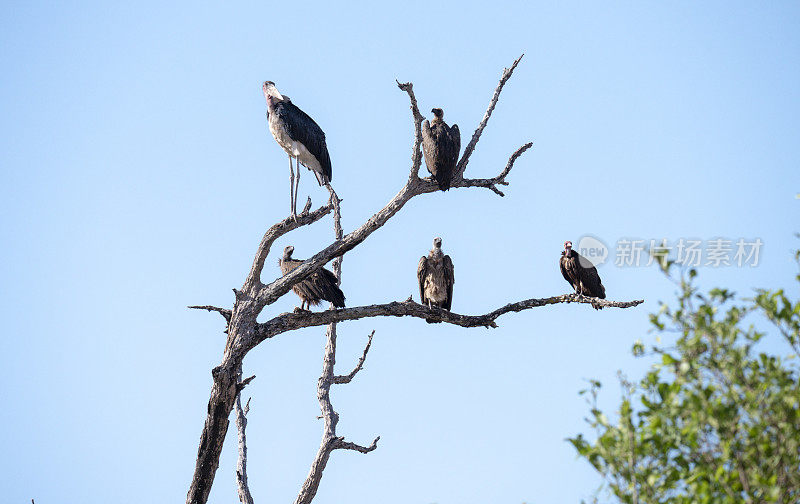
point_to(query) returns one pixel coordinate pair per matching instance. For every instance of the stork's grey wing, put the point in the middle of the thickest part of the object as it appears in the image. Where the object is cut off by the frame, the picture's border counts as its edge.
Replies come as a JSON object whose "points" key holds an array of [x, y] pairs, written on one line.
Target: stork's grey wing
{"points": [[450, 279], [302, 128], [422, 270], [429, 146]]}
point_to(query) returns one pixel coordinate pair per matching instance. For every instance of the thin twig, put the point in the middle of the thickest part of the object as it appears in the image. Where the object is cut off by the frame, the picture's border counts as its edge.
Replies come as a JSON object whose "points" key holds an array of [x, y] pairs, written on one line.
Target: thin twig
{"points": [[347, 445], [242, 384], [500, 179], [340, 379], [462, 164], [416, 153], [222, 311], [241, 465]]}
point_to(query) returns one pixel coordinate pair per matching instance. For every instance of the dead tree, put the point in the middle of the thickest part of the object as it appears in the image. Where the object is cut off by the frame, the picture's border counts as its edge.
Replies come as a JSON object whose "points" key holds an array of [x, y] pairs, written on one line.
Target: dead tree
{"points": [[244, 332]]}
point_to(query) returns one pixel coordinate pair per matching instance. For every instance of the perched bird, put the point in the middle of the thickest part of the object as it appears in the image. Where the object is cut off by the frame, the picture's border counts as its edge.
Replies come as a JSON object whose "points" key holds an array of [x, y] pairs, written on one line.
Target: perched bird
{"points": [[299, 136], [436, 278], [322, 284], [441, 144], [581, 274]]}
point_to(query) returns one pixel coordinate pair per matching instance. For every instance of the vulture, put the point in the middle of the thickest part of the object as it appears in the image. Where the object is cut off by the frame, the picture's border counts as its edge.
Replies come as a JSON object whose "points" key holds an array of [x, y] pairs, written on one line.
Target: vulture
{"points": [[581, 274], [322, 284], [300, 137], [441, 144], [436, 278]]}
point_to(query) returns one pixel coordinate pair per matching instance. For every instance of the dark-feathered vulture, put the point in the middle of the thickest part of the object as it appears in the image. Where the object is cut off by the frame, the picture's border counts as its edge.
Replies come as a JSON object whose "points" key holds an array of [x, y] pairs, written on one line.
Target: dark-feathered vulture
{"points": [[581, 274], [322, 284], [299, 136], [436, 278], [441, 144]]}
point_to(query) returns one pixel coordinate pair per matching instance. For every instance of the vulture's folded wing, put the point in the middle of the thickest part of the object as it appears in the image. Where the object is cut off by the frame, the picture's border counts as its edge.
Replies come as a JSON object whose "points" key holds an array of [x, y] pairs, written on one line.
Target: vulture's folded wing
{"points": [[450, 279], [422, 270]]}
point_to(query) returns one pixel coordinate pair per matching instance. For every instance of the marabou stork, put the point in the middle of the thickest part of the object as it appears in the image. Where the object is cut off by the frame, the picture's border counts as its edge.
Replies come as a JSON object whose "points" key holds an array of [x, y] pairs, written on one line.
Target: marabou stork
{"points": [[322, 284], [441, 144], [581, 274], [299, 136], [436, 278]]}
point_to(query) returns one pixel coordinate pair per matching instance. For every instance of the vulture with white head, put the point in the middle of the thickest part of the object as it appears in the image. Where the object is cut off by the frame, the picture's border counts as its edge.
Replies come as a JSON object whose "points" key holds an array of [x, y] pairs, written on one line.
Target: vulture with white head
{"points": [[436, 278], [581, 274]]}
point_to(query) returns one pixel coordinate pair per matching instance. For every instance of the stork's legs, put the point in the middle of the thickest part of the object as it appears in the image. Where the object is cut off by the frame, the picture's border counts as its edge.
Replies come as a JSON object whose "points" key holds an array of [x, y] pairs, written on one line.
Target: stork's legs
{"points": [[296, 187], [291, 190]]}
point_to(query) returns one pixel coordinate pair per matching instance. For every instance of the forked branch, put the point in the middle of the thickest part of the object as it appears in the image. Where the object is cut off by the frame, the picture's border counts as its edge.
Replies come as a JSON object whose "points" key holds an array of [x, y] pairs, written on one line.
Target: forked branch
{"points": [[340, 379], [462, 164]]}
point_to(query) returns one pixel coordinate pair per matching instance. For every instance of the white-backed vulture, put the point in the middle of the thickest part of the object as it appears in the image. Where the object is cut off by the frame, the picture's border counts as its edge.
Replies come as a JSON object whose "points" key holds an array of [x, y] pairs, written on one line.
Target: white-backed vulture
{"points": [[436, 278]]}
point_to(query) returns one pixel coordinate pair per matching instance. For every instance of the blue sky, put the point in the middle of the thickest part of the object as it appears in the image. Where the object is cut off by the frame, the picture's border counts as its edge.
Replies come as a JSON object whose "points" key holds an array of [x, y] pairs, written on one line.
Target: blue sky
{"points": [[139, 175]]}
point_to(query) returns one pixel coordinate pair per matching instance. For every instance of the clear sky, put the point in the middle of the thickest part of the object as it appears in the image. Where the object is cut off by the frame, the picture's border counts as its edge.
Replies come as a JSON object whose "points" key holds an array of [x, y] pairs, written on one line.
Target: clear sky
{"points": [[138, 176]]}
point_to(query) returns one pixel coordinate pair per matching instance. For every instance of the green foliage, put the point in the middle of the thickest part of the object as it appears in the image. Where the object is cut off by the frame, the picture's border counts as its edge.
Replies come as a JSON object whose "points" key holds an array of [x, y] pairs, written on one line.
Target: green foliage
{"points": [[715, 420]]}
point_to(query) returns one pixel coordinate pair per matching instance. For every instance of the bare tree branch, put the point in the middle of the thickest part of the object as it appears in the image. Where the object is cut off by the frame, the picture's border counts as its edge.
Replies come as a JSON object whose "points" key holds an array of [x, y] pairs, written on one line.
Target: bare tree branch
{"points": [[340, 379], [416, 153], [500, 179], [462, 164], [222, 311], [410, 308], [241, 465], [347, 445], [242, 384]]}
